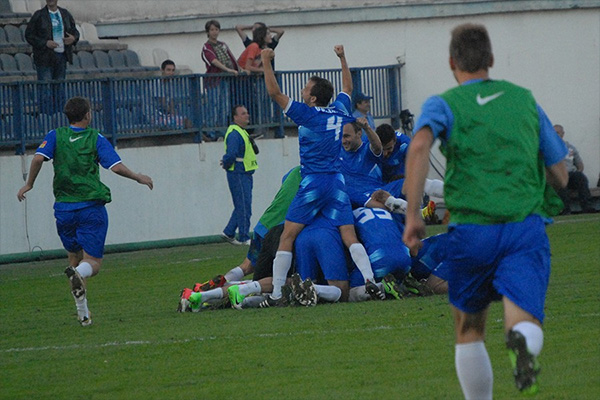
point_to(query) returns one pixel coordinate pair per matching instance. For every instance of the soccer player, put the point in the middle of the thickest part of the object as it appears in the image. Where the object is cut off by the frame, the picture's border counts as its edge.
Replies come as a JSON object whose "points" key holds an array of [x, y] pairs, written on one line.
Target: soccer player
{"points": [[322, 188], [81, 218], [501, 150]]}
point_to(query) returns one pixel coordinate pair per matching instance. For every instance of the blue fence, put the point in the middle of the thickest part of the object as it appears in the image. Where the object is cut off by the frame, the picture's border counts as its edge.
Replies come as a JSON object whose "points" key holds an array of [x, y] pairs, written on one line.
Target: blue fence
{"points": [[198, 105]]}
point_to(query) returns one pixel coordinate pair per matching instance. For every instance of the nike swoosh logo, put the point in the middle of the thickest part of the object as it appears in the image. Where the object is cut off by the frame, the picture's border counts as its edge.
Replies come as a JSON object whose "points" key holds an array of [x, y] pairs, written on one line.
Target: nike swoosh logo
{"points": [[71, 139], [484, 100]]}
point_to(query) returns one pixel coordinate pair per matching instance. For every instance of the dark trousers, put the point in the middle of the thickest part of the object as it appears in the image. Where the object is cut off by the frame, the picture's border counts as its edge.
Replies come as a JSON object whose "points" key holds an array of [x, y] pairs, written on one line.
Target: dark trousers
{"points": [[578, 182], [51, 97], [240, 186]]}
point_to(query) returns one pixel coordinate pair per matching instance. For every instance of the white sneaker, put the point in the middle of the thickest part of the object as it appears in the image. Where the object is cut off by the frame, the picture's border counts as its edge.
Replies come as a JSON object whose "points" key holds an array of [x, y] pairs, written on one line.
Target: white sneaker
{"points": [[86, 321]]}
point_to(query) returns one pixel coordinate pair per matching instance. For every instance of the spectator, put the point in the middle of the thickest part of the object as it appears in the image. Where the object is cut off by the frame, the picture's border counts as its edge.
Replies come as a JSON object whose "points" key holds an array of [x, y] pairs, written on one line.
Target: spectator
{"points": [[250, 58], [278, 33], [362, 109], [240, 162], [164, 96], [52, 33], [577, 180], [218, 59]]}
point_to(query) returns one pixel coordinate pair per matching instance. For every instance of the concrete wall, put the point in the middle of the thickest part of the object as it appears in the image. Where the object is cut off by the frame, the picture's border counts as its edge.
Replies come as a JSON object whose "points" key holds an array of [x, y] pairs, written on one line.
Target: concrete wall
{"points": [[556, 54], [190, 197]]}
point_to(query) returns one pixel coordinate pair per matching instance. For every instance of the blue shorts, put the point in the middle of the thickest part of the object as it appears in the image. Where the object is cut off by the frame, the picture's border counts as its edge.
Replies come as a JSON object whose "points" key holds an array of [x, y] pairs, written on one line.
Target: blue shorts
{"points": [[83, 229], [390, 260], [313, 257], [430, 258], [255, 246], [491, 261], [325, 193]]}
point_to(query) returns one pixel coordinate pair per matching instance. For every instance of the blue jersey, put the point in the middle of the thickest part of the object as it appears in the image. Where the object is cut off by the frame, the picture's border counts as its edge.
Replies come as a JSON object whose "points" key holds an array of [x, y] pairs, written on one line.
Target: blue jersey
{"points": [[107, 158], [382, 237], [361, 168], [319, 133], [394, 166]]}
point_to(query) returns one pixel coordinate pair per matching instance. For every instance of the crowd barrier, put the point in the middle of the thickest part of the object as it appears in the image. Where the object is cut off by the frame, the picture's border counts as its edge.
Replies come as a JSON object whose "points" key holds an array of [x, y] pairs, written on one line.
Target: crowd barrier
{"points": [[198, 104]]}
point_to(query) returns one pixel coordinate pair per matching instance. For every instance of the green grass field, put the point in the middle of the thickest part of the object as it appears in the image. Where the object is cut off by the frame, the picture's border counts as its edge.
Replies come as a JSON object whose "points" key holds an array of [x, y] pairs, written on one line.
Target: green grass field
{"points": [[140, 348]]}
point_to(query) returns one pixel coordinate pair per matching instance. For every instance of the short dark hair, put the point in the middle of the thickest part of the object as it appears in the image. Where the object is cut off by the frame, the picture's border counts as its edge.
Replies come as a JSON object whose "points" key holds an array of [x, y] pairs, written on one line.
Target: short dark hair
{"points": [[357, 128], [165, 63], [234, 110], [76, 109], [386, 133], [322, 90], [471, 48], [211, 23]]}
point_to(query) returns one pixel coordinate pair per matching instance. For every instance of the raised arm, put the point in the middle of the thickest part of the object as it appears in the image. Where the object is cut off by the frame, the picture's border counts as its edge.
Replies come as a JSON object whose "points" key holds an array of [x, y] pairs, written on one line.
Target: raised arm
{"points": [[270, 82], [374, 140], [417, 168], [346, 76], [240, 31], [277, 31], [121, 169]]}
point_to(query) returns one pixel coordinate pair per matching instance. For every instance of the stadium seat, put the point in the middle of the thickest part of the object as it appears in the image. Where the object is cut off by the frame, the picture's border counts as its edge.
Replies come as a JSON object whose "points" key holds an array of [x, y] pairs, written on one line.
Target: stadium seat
{"points": [[22, 28], [25, 64], [117, 60], [75, 68], [87, 62], [9, 64], [103, 61], [133, 61], [14, 36], [3, 40]]}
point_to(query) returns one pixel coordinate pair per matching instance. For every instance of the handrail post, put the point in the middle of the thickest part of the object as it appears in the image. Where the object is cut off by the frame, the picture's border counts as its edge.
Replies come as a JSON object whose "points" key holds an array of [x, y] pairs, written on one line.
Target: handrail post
{"points": [[18, 115], [196, 106], [395, 89], [108, 105]]}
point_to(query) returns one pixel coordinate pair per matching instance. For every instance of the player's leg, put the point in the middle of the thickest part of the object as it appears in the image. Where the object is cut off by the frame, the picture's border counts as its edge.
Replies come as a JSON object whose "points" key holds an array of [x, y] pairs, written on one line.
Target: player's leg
{"points": [[472, 362], [283, 258], [357, 252], [524, 340], [234, 182]]}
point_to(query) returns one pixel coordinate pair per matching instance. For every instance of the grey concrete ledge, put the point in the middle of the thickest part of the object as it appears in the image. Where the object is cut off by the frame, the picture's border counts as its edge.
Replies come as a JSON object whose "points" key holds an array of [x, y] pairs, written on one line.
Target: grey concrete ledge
{"points": [[397, 12]]}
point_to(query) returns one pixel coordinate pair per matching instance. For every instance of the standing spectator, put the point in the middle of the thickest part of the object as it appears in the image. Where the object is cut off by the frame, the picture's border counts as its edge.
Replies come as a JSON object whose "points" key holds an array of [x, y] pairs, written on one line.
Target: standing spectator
{"points": [[250, 59], [81, 218], [164, 94], [240, 162], [278, 33], [577, 180], [218, 59], [52, 33], [500, 149], [362, 109]]}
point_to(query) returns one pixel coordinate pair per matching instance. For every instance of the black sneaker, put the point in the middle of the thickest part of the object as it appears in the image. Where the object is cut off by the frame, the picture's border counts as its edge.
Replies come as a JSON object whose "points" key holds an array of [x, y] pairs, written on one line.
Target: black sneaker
{"points": [[374, 291], [415, 287], [76, 281], [525, 365], [392, 288], [271, 302]]}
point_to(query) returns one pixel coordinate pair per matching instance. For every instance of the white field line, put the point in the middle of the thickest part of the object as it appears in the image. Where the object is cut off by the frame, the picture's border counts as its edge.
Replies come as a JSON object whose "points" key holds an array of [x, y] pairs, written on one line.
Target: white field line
{"points": [[196, 339]]}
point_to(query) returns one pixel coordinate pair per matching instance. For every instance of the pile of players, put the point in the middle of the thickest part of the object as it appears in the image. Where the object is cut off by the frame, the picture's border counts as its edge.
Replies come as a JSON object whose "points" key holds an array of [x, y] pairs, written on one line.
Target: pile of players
{"points": [[334, 230]]}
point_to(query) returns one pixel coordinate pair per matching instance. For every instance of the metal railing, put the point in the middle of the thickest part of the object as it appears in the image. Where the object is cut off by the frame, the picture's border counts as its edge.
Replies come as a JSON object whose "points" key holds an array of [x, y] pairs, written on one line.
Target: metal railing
{"points": [[198, 104]]}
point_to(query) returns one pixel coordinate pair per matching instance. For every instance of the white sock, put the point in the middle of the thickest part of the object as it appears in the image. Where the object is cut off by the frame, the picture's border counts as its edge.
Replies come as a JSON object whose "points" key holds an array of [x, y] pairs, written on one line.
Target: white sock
{"points": [[250, 288], [474, 370], [328, 293], [82, 308], [534, 336], [434, 187], [239, 282], [358, 293], [361, 259], [397, 206], [213, 294], [235, 274], [85, 270], [281, 266]]}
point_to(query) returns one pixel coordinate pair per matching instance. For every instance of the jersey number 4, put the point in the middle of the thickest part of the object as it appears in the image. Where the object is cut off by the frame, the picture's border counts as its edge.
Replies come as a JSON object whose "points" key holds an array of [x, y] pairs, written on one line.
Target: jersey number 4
{"points": [[335, 123]]}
